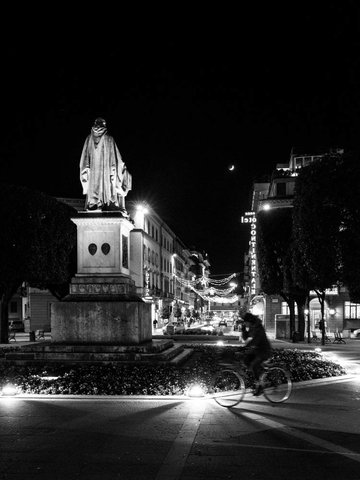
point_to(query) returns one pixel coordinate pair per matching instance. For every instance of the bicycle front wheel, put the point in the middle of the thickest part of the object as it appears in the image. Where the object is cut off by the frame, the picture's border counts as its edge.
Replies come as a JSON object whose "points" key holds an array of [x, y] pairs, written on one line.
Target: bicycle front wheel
{"points": [[277, 384], [229, 388]]}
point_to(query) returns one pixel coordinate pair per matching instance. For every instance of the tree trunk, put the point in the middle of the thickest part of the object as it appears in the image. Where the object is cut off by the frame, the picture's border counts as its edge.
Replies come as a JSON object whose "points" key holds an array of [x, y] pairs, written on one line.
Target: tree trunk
{"points": [[301, 304], [292, 316], [321, 297], [4, 319], [5, 298], [290, 301]]}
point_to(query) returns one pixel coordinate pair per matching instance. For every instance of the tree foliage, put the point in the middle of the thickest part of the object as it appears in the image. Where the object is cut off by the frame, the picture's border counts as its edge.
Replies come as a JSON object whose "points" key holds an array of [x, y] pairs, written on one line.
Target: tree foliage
{"points": [[37, 241], [316, 225], [315, 244], [348, 198], [275, 253]]}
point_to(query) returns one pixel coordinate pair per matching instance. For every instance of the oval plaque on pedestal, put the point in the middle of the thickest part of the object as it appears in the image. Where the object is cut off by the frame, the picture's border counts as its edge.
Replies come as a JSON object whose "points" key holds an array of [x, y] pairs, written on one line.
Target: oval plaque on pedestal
{"points": [[92, 248], [105, 248]]}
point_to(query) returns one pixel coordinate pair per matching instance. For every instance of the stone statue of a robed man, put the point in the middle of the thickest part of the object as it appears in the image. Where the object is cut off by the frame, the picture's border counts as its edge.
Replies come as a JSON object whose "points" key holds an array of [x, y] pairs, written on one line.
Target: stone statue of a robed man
{"points": [[103, 174]]}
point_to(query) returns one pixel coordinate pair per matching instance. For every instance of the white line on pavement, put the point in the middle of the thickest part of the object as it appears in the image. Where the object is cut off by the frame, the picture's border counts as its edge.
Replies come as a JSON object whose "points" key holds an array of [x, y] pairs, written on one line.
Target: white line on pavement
{"points": [[332, 447], [174, 462]]}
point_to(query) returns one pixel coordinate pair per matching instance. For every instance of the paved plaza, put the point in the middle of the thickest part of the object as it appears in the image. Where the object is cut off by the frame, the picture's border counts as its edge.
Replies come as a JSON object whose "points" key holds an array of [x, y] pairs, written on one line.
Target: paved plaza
{"points": [[315, 435]]}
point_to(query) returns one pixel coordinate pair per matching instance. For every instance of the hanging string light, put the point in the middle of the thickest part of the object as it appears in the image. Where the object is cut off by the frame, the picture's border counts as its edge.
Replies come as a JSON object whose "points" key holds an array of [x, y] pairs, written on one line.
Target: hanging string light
{"points": [[209, 292]]}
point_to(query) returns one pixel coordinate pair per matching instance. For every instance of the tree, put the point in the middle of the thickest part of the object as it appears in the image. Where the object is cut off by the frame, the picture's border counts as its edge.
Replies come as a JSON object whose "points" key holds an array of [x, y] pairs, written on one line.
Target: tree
{"points": [[316, 215], [37, 241], [275, 252], [348, 200], [176, 311], [165, 312]]}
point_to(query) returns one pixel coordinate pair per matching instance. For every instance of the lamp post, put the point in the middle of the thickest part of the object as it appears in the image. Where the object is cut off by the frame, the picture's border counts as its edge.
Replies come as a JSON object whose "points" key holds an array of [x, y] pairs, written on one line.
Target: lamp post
{"points": [[307, 313], [139, 220], [174, 285]]}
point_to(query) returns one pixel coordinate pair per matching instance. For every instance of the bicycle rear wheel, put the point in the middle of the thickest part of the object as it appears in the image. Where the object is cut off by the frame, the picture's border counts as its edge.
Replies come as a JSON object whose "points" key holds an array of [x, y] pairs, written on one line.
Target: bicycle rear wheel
{"points": [[277, 384], [229, 388]]}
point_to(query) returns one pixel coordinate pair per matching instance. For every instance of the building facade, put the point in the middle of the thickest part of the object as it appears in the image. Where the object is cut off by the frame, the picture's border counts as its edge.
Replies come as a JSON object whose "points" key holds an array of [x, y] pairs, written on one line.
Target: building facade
{"points": [[160, 265], [341, 315]]}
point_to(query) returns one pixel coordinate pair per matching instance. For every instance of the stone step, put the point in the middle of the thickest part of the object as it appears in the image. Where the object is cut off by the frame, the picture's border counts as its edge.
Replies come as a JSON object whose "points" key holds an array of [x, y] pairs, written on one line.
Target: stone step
{"points": [[182, 357], [155, 346], [167, 356]]}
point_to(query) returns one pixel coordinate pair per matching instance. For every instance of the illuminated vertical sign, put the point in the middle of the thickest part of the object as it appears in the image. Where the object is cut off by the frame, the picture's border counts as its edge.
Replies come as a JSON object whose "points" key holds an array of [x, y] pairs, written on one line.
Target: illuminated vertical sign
{"points": [[147, 282], [250, 217]]}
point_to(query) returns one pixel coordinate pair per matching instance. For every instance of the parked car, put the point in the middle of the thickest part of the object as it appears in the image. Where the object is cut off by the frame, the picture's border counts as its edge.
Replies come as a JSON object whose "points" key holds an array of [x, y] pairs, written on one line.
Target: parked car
{"points": [[173, 329], [223, 323]]}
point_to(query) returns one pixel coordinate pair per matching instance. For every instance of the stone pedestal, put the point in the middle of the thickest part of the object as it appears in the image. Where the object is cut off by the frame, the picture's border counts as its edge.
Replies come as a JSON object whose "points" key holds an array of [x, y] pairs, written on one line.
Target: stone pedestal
{"points": [[102, 307], [101, 322]]}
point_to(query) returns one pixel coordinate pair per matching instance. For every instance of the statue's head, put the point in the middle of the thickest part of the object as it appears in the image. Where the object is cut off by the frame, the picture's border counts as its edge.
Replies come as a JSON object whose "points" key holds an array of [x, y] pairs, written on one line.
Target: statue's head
{"points": [[99, 122]]}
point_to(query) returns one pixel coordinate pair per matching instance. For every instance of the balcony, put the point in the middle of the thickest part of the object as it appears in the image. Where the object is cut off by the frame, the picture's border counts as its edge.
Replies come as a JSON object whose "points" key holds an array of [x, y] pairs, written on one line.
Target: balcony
{"points": [[271, 203]]}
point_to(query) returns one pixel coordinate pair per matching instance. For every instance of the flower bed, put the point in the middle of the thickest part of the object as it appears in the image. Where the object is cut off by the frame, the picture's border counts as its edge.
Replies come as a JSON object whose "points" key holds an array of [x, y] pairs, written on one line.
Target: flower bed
{"points": [[155, 379]]}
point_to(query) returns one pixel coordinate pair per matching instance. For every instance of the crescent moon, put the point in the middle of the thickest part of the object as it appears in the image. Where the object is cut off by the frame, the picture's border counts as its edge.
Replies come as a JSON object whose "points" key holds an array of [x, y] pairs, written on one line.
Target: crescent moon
{"points": [[231, 167]]}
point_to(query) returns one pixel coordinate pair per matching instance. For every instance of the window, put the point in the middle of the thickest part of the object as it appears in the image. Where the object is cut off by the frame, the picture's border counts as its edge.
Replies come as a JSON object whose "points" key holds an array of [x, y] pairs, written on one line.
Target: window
{"points": [[125, 251], [352, 310]]}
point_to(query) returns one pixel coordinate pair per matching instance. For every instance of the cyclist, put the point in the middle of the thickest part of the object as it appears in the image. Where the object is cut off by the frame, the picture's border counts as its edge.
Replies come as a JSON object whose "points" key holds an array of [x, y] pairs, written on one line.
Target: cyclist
{"points": [[258, 346]]}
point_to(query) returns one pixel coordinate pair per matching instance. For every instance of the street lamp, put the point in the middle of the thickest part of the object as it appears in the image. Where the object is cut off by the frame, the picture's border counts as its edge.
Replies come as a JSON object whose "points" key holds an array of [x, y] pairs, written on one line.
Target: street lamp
{"points": [[307, 313], [141, 211]]}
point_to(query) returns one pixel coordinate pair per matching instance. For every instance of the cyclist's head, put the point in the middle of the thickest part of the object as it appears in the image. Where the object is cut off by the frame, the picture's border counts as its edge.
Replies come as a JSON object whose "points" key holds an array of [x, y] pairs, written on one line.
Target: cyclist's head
{"points": [[250, 318]]}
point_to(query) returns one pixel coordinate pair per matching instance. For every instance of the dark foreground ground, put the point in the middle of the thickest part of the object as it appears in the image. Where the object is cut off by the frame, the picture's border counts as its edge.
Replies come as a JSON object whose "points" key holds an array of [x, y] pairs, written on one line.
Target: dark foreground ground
{"points": [[315, 435]]}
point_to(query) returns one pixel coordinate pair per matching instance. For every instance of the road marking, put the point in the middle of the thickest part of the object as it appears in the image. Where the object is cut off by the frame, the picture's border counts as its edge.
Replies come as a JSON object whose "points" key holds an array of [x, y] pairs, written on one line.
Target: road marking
{"points": [[270, 447], [304, 436], [174, 462]]}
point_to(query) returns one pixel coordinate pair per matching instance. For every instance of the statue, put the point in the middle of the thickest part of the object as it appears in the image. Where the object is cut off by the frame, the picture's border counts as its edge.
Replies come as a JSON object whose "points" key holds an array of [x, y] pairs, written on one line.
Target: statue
{"points": [[103, 175]]}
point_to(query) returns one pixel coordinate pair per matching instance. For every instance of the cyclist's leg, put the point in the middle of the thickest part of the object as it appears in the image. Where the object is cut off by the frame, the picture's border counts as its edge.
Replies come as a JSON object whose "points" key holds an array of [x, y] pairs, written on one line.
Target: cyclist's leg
{"points": [[257, 369]]}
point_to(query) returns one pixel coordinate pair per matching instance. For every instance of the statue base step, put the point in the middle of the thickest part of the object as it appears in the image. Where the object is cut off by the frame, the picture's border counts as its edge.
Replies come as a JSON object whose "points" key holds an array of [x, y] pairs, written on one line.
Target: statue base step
{"points": [[153, 352]]}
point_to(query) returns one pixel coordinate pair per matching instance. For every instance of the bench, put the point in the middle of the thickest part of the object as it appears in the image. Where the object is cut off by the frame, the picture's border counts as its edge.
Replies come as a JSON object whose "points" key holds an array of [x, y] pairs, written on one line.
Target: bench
{"points": [[39, 335], [338, 338], [316, 339], [12, 335]]}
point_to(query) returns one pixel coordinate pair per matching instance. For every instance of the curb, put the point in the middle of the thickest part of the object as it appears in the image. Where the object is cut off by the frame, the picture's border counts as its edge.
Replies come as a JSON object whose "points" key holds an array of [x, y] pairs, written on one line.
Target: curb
{"points": [[113, 398]]}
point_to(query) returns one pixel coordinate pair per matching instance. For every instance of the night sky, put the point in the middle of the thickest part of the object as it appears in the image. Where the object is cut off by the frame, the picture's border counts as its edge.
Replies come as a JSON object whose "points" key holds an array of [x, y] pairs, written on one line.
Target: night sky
{"points": [[182, 106]]}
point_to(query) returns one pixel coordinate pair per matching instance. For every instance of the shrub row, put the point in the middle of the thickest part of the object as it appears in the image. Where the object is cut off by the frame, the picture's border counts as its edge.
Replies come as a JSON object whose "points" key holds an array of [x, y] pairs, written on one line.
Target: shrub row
{"points": [[154, 379]]}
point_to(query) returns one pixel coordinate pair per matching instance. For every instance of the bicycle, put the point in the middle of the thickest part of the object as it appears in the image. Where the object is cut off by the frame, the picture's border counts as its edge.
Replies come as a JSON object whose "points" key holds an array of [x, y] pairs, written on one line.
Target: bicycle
{"points": [[229, 384]]}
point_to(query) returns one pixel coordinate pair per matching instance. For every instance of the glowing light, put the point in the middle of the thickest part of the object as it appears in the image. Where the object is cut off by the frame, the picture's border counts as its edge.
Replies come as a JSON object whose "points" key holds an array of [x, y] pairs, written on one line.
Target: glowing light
{"points": [[142, 209], [9, 390], [332, 311], [195, 391], [266, 206], [306, 311], [231, 167], [220, 343], [318, 350]]}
